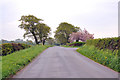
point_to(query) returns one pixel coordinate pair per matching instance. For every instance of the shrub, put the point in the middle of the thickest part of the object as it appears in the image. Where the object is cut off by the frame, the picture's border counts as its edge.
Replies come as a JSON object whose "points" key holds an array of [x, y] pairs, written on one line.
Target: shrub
{"points": [[105, 43], [8, 48], [76, 44], [0, 49], [24, 45], [16, 47]]}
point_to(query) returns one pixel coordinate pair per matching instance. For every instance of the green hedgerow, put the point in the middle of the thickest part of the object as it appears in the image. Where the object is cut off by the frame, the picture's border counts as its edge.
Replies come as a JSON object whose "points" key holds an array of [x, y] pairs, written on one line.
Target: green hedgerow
{"points": [[8, 48], [105, 43], [76, 44]]}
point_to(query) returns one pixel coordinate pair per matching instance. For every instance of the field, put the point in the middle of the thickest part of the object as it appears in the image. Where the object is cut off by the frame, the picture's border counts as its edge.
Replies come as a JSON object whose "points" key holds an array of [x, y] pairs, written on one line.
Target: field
{"points": [[17, 60]]}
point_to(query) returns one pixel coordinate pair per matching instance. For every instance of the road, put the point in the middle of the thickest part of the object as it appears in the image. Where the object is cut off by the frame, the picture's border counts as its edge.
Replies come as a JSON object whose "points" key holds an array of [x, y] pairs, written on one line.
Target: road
{"points": [[60, 62]]}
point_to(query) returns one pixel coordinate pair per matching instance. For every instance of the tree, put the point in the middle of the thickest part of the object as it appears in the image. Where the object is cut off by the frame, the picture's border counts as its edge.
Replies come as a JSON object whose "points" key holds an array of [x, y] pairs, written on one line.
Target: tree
{"points": [[50, 40], [29, 42], [81, 35], [28, 23], [34, 28], [63, 31], [43, 31]]}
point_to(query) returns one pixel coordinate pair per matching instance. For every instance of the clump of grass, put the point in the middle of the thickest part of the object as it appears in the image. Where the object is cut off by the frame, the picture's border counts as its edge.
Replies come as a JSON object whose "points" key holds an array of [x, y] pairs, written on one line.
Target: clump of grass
{"points": [[70, 46], [104, 57], [76, 44], [17, 60]]}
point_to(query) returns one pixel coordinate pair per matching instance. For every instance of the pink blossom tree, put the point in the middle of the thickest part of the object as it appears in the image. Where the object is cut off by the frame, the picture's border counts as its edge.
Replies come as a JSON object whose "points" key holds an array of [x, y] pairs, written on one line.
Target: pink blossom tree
{"points": [[82, 36]]}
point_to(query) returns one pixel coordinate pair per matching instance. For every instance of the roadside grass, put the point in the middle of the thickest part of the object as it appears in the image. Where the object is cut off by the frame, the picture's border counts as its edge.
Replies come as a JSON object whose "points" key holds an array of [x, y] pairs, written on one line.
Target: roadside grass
{"points": [[105, 57], [70, 46], [17, 60]]}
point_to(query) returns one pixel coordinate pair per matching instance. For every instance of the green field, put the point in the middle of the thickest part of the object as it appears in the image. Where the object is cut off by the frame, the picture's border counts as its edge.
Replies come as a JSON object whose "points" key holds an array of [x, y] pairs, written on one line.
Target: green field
{"points": [[105, 57], [17, 60]]}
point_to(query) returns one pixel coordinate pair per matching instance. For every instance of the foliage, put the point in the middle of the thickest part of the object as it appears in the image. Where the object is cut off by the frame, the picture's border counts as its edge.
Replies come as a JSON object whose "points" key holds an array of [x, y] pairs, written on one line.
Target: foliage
{"points": [[50, 41], [63, 31], [106, 43], [0, 50], [29, 42], [17, 60], [70, 46], [8, 48], [34, 28], [104, 57], [76, 44], [43, 31], [81, 35], [28, 23]]}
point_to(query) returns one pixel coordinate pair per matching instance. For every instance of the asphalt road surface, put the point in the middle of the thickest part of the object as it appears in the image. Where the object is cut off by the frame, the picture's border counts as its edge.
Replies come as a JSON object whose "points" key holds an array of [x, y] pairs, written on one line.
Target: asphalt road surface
{"points": [[60, 62]]}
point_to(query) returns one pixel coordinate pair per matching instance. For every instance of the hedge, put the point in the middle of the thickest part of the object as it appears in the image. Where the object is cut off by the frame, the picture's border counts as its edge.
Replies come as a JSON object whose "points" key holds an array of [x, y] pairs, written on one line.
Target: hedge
{"points": [[76, 44], [105, 43], [8, 48]]}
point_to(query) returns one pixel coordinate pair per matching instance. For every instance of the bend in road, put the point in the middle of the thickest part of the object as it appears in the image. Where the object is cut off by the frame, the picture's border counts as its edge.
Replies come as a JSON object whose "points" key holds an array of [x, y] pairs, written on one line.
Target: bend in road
{"points": [[60, 62]]}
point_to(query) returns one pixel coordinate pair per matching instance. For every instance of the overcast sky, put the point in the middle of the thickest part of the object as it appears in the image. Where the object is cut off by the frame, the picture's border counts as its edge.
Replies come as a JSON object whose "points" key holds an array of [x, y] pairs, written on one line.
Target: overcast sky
{"points": [[99, 17]]}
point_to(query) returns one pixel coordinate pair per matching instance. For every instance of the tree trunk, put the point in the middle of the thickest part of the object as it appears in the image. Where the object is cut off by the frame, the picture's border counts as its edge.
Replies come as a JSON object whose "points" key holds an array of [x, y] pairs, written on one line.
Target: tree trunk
{"points": [[68, 39], [77, 40], [44, 42], [36, 41], [40, 38]]}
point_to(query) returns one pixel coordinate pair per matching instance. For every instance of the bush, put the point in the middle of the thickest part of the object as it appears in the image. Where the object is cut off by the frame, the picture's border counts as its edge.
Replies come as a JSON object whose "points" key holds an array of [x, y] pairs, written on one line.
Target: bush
{"points": [[105, 43], [0, 49], [24, 45], [8, 48], [76, 44], [16, 47]]}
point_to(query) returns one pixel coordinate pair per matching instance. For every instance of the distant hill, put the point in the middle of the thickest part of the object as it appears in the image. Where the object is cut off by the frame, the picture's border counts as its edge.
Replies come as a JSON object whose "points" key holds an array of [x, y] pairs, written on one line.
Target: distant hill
{"points": [[17, 41], [4, 41]]}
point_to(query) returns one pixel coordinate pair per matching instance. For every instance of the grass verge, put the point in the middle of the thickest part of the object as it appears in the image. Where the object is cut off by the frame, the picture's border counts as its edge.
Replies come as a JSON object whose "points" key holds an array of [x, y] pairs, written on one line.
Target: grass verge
{"points": [[17, 60], [104, 57], [70, 46]]}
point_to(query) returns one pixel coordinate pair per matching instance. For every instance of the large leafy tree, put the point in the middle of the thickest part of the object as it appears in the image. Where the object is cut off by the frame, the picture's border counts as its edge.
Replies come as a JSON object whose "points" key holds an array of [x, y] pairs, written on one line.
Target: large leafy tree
{"points": [[63, 31], [34, 28], [43, 31], [28, 23], [50, 41]]}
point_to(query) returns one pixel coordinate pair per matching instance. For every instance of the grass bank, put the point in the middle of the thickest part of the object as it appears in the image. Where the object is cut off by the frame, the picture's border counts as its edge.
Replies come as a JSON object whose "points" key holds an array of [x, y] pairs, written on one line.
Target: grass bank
{"points": [[17, 60], [70, 46], [104, 57]]}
